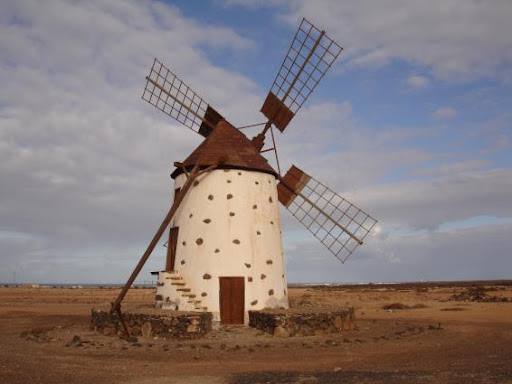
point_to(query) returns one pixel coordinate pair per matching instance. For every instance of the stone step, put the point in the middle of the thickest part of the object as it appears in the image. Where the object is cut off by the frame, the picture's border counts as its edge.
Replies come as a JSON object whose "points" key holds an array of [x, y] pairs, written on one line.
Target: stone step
{"points": [[174, 278], [179, 285]]}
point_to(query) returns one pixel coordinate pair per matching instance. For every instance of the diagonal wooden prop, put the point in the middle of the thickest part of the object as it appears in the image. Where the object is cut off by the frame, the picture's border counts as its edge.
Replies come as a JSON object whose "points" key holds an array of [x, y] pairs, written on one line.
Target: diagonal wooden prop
{"points": [[116, 306]]}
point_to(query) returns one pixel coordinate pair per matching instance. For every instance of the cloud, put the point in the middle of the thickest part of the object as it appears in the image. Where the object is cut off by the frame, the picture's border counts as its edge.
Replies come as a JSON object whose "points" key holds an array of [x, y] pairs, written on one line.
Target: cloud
{"points": [[444, 113], [85, 163], [456, 40], [452, 168], [457, 254], [501, 142], [427, 204], [253, 4], [417, 81]]}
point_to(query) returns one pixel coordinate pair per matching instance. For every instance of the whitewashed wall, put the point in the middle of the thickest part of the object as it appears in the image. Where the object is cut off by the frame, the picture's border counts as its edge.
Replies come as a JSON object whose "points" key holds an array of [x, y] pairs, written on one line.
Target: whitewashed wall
{"points": [[229, 225]]}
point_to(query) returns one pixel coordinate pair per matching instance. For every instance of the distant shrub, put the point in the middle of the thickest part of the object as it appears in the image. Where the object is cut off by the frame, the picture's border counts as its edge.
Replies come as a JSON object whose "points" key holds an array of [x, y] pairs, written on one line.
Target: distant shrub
{"points": [[399, 306]]}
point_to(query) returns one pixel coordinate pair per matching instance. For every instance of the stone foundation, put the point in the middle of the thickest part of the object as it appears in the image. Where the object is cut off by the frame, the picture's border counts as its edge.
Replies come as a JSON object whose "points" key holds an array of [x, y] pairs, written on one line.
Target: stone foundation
{"points": [[288, 323], [164, 324]]}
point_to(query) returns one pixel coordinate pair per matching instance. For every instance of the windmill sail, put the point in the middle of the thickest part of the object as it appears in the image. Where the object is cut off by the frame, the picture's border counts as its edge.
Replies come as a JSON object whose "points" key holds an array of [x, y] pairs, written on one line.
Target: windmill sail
{"points": [[338, 224], [309, 57], [171, 95]]}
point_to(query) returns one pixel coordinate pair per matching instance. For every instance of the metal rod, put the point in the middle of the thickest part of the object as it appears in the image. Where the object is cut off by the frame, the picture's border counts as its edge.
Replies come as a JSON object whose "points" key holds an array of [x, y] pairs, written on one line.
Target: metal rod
{"points": [[250, 126], [318, 208], [275, 151], [180, 102], [193, 174]]}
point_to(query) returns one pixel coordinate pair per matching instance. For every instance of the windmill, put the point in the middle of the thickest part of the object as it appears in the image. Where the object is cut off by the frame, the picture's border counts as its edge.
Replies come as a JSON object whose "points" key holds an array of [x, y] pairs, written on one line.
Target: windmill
{"points": [[224, 253]]}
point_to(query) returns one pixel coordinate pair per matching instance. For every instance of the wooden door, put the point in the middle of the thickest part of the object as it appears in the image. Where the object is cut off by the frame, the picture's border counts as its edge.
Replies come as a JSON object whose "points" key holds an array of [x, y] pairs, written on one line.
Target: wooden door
{"points": [[232, 300], [171, 248]]}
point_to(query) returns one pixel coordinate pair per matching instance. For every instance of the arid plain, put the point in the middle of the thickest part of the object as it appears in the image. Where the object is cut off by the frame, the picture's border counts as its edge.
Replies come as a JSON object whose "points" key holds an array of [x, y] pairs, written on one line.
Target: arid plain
{"points": [[406, 333]]}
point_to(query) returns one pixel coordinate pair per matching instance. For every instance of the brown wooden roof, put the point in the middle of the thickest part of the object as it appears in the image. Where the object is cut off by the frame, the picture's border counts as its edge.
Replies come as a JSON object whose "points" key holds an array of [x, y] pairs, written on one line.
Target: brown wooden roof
{"points": [[229, 148]]}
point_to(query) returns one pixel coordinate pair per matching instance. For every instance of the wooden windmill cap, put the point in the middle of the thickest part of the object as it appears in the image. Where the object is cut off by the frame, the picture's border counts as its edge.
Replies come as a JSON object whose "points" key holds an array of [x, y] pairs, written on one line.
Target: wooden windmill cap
{"points": [[228, 148]]}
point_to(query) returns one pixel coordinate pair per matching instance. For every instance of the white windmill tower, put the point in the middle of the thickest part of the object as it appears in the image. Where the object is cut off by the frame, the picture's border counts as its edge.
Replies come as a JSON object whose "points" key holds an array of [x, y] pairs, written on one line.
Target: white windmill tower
{"points": [[225, 250]]}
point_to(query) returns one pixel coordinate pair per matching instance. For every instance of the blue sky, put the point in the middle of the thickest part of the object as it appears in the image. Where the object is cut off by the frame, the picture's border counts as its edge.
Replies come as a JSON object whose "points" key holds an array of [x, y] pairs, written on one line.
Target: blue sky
{"points": [[413, 123]]}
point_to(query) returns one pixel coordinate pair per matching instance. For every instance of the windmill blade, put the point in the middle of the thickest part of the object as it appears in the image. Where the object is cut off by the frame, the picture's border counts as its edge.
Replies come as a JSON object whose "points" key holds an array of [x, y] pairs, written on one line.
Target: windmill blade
{"points": [[337, 223], [171, 95], [309, 57]]}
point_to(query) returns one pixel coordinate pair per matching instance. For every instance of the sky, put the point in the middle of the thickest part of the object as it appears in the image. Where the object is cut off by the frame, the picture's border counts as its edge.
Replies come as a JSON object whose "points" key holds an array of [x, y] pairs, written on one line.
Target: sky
{"points": [[413, 123]]}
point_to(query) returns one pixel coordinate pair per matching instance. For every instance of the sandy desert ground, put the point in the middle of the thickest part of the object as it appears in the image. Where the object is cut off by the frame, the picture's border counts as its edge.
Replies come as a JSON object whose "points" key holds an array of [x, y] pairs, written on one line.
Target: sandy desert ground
{"points": [[424, 338]]}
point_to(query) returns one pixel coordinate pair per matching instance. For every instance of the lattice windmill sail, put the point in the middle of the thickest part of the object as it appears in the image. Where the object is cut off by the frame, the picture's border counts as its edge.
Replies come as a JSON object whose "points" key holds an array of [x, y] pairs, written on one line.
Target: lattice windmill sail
{"points": [[338, 224], [172, 96], [310, 55], [224, 252]]}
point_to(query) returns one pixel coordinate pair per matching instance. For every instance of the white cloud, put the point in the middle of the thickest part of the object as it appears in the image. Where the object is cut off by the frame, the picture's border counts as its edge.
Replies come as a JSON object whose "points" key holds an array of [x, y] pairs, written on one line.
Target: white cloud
{"points": [[444, 113], [456, 39], [452, 168], [436, 255], [417, 81], [428, 204], [84, 163], [253, 4]]}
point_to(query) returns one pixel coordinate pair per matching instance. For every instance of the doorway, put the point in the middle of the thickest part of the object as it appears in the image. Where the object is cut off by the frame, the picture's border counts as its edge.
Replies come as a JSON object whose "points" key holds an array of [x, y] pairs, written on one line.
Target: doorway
{"points": [[232, 300], [171, 248]]}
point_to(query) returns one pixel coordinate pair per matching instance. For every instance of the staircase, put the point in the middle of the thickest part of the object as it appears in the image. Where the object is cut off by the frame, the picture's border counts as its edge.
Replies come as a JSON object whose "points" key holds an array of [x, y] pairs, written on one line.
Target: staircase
{"points": [[172, 293]]}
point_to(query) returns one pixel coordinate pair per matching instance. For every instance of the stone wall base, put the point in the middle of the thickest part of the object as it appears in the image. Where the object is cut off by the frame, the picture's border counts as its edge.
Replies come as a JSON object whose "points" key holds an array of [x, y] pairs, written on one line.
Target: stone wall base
{"points": [[289, 323], [164, 324]]}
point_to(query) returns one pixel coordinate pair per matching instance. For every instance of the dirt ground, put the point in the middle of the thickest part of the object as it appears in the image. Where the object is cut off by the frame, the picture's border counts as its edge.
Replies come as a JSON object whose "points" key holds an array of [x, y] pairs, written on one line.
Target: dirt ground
{"points": [[423, 337]]}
